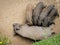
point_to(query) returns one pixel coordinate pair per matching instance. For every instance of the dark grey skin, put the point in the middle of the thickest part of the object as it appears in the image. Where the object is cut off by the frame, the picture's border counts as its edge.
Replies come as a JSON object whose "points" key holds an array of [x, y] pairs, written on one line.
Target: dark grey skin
{"points": [[50, 18], [44, 14], [36, 12]]}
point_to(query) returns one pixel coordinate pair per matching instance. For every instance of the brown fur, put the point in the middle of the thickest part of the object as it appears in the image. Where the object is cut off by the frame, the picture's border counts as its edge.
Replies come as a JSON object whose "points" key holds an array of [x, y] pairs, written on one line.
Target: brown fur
{"points": [[29, 9]]}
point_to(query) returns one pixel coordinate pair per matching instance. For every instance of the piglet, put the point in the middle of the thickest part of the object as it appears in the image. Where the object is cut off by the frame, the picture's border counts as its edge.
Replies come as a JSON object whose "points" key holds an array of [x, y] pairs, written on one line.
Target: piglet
{"points": [[33, 32]]}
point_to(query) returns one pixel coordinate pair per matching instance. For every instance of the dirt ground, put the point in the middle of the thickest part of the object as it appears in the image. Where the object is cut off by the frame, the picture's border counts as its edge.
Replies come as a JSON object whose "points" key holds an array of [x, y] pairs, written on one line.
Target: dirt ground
{"points": [[13, 11]]}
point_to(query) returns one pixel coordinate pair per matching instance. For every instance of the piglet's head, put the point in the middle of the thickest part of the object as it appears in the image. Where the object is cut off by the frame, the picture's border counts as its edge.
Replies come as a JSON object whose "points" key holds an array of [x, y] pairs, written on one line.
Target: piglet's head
{"points": [[16, 26]]}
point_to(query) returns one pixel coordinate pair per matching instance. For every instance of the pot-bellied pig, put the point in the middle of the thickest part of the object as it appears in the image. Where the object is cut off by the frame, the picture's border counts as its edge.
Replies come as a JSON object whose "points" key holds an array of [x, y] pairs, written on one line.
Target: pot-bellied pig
{"points": [[44, 14], [36, 12], [50, 18], [33, 32]]}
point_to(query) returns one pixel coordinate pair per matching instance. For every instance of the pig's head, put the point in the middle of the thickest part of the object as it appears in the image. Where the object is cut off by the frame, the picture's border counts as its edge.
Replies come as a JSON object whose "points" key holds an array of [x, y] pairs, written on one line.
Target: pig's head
{"points": [[16, 27]]}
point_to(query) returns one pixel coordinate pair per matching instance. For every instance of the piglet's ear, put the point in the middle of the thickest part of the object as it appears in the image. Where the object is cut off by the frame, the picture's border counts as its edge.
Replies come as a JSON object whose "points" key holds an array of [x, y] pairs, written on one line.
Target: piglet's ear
{"points": [[15, 24]]}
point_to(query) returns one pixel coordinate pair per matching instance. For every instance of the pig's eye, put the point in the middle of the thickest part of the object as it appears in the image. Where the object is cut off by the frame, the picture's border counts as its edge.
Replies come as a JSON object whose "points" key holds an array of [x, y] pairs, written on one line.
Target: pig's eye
{"points": [[17, 29]]}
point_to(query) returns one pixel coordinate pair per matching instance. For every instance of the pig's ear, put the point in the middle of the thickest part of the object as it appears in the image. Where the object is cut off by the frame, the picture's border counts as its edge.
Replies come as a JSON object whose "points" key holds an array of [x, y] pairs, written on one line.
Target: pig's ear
{"points": [[13, 25]]}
